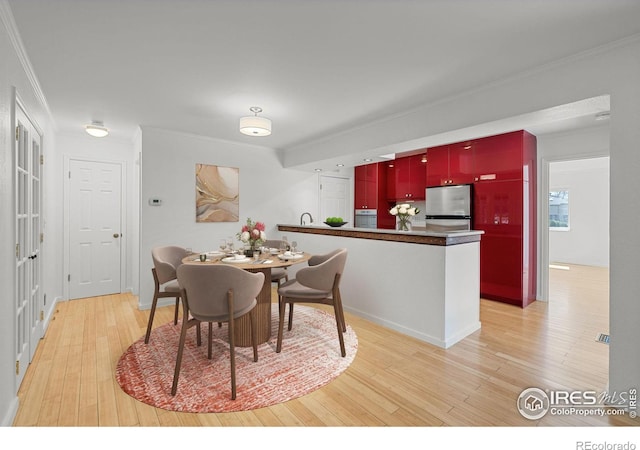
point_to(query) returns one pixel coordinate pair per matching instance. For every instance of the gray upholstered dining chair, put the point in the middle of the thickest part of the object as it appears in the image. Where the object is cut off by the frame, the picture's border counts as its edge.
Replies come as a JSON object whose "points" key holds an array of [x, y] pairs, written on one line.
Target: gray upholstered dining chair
{"points": [[217, 293], [278, 274], [166, 261], [317, 283]]}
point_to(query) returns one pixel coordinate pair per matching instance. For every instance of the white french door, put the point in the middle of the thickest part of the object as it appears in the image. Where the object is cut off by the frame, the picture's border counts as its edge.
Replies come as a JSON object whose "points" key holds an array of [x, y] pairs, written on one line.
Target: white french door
{"points": [[29, 306], [94, 226]]}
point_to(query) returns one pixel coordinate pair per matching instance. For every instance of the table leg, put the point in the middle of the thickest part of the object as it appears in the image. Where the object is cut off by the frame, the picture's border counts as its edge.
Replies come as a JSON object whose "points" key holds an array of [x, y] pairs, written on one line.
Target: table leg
{"points": [[263, 315]]}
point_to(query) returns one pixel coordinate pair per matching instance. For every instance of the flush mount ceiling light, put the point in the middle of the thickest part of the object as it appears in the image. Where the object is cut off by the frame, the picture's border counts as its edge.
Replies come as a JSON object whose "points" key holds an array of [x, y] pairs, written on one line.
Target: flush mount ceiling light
{"points": [[254, 125], [96, 129]]}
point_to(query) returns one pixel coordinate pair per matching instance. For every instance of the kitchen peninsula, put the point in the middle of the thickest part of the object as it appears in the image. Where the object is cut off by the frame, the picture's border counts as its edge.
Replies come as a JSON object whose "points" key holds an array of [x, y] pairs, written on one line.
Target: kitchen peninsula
{"points": [[422, 284]]}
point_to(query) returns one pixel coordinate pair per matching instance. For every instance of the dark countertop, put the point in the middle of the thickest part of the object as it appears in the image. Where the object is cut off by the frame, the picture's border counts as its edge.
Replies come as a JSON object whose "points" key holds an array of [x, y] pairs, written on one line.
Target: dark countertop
{"points": [[414, 237]]}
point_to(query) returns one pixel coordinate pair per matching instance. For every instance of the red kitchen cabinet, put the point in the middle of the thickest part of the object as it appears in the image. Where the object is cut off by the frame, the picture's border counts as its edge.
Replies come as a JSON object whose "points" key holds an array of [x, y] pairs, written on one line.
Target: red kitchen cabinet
{"points": [[406, 178], [370, 181], [437, 171], [450, 164], [366, 187], [498, 211], [461, 163], [500, 157], [504, 207]]}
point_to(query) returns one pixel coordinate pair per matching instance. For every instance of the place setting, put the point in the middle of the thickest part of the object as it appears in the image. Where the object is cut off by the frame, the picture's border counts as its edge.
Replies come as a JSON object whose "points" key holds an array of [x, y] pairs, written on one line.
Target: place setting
{"points": [[291, 253]]}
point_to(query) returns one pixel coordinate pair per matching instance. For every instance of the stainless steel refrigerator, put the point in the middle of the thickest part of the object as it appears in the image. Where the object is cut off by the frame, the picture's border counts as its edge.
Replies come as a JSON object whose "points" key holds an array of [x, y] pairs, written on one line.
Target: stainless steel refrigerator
{"points": [[448, 208]]}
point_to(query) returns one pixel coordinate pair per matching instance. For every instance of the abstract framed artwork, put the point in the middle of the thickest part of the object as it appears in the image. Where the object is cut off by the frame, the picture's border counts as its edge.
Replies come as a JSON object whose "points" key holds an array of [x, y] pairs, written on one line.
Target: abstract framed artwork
{"points": [[217, 193]]}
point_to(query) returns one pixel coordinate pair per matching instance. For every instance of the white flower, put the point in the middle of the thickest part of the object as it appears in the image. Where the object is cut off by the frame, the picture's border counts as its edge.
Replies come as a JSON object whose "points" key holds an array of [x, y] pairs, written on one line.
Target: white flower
{"points": [[244, 237], [403, 209], [263, 236], [255, 233], [394, 211], [412, 211], [405, 205]]}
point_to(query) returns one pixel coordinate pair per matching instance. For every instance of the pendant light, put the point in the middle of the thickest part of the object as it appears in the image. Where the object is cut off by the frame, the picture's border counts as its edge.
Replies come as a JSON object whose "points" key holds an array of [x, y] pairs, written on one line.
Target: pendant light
{"points": [[96, 129], [254, 125]]}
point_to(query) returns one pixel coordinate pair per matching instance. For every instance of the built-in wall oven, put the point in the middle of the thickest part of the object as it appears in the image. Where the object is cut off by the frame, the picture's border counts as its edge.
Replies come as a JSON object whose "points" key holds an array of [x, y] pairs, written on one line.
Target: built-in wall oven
{"points": [[366, 218]]}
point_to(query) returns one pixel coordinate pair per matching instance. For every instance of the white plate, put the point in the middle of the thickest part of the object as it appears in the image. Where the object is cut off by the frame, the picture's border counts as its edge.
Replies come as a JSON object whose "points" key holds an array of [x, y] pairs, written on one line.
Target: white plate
{"points": [[215, 253], [289, 256], [232, 259]]}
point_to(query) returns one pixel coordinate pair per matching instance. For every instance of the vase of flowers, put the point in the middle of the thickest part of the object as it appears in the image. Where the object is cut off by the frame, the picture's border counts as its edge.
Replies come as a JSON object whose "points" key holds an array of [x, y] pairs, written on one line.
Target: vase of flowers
{"points": [[252, 234], [404, 212]]}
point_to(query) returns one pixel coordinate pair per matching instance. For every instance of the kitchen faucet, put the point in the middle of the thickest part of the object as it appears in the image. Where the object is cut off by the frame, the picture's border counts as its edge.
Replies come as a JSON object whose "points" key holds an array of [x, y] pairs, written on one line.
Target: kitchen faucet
{"points": [[310, 218]]}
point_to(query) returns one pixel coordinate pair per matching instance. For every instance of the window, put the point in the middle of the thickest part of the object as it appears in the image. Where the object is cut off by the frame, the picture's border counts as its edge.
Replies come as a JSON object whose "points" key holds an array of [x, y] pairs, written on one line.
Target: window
{"points": [[559, 210]]}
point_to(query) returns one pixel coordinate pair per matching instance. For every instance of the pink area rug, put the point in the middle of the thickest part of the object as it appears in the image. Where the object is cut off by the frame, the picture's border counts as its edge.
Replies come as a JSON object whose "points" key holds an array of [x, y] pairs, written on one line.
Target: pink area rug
{"points": [[310, 359]]}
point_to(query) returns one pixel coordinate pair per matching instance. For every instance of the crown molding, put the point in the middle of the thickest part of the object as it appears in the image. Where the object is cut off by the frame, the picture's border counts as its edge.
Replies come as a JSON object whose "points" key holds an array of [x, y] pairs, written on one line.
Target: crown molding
{"points": [[6, 15]]}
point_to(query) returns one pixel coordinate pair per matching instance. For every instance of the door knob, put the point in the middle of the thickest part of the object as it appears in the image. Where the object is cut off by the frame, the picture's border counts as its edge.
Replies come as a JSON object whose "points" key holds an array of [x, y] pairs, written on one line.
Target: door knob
{"points": [[116, 235]]}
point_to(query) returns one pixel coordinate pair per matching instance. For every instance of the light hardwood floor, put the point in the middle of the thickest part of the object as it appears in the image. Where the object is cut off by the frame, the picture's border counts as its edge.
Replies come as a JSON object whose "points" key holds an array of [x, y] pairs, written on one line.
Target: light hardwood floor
{"points": [[394, 380]]}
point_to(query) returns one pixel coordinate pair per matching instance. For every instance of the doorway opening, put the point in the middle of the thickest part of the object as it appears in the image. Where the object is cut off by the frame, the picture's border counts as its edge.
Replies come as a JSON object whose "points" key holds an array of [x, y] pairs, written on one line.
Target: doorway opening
{"points": [[576, 225]]}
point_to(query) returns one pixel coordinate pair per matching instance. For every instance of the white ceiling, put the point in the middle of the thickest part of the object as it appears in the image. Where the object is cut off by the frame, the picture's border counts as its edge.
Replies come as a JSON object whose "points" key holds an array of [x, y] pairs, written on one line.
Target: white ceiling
{"points": [[316, 67]]}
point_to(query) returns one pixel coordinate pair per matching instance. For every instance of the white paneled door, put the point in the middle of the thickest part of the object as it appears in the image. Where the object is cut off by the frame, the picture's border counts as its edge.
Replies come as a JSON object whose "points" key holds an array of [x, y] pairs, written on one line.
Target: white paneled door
{"points": [[95, 224], [28, 225], [334, 198]]}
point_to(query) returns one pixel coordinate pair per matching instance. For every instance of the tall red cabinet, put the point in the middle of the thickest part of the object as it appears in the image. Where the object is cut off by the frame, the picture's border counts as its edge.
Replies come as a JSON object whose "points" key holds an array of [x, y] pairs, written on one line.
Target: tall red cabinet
{"points": [[504, 207], [370, 182]]}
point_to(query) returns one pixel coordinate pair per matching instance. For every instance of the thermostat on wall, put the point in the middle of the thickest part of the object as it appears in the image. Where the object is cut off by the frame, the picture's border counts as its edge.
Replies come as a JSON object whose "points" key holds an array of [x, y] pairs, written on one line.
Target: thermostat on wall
{"points": [[155, 202]]}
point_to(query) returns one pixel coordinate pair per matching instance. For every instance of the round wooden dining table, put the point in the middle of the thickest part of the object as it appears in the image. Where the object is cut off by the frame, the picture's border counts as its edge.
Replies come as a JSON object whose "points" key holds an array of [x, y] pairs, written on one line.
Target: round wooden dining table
{"points": [[262, 264]]}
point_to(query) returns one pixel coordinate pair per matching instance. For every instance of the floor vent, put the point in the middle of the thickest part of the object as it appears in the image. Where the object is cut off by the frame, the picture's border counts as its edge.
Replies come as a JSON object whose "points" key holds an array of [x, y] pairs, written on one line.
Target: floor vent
{"points": [[604, 338]]}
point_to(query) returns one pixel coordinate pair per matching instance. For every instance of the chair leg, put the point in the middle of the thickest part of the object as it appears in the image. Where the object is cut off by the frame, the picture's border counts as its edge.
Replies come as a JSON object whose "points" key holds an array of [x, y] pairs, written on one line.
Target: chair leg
{"points": [[339, 324], [176, 374], [199, 335], [232, 345], [344, 323], [210, 340], [175, 314], [290, 317], [281, 323], [154, 303], [254, 332]]}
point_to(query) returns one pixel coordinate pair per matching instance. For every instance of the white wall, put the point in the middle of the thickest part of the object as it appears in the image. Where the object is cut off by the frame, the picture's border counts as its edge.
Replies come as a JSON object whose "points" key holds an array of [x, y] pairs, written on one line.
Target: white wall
{"points": [[268, 193], [12, 75], [587, 239]]}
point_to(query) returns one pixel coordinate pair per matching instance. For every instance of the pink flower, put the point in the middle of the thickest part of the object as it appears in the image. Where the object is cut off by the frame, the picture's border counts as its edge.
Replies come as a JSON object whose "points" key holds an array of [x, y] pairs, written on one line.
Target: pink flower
{"points": [[252, 233]]}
